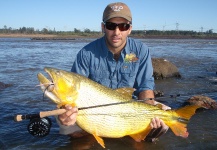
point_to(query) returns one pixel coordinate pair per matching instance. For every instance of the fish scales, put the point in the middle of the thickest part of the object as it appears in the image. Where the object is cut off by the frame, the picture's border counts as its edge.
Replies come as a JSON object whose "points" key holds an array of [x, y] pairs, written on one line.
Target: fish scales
{"points": [[124, 114], [122, 117]]}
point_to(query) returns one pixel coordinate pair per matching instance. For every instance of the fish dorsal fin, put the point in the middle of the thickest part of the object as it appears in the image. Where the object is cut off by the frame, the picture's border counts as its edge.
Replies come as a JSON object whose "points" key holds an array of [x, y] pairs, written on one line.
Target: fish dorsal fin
{"points": [[99, 140], [138, 137], [128, 92]]}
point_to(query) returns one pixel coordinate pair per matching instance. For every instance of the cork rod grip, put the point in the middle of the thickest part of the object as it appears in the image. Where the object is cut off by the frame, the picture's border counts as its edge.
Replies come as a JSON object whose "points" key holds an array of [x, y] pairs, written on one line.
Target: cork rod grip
{"points": [[41, 114]]}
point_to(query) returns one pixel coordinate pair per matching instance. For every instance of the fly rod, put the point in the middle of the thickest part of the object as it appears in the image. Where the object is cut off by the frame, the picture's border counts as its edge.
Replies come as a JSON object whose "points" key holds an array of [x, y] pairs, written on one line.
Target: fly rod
{"points": [[42, 114]]}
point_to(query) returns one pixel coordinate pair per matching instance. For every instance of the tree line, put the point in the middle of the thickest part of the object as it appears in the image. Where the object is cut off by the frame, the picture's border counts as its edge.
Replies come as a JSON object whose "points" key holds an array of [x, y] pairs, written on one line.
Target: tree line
{"points": [[31, 30]]}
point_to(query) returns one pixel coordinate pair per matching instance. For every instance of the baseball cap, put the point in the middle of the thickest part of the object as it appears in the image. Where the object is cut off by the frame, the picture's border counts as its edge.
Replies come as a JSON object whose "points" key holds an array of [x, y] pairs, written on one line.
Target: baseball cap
{"points": [[117, 10]]}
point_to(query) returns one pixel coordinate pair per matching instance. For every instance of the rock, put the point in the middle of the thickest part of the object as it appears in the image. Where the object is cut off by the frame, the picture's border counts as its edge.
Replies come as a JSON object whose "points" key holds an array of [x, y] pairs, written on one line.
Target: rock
{"points": [[203, 101], [3, 85], [164, 69]]}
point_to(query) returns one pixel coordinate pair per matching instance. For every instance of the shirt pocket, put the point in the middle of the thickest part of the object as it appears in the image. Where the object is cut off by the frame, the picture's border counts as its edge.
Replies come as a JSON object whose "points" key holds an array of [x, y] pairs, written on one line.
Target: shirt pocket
{"points": [[129, 69], [128, 74]]}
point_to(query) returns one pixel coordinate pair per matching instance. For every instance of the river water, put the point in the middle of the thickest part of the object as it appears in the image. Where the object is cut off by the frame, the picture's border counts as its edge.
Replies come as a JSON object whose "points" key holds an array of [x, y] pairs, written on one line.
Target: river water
{"points": [[21, 59]]}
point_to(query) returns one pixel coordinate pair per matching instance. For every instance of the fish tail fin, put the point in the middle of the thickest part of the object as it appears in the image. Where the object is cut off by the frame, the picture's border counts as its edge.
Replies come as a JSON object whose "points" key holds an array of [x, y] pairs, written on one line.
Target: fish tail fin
{"points": [[179, 126]]}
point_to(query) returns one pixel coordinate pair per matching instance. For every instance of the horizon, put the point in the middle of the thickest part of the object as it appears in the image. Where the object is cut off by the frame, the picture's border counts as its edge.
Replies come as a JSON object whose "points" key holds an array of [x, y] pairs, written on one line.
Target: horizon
{"points": [[194, 15]]}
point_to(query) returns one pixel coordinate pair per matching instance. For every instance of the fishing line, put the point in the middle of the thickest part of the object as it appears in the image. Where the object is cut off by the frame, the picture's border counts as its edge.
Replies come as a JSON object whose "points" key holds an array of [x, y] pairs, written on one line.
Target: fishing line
{"points": [[118, 103]]}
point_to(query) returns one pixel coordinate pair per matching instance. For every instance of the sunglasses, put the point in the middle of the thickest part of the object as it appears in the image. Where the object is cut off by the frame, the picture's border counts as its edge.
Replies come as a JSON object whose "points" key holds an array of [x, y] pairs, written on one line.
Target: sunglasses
{"points": [[121, 26]]}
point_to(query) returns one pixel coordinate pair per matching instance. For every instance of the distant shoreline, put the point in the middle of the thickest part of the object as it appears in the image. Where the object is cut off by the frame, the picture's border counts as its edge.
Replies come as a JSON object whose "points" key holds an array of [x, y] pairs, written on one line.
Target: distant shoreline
{"points": [[45, 36], [72, 37]]}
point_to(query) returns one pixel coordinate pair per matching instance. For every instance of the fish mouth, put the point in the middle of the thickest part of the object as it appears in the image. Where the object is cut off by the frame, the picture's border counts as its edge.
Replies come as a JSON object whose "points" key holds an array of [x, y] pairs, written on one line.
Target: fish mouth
{"points": [[47, 85], [48, 71], [52, 73], [45, 80]]}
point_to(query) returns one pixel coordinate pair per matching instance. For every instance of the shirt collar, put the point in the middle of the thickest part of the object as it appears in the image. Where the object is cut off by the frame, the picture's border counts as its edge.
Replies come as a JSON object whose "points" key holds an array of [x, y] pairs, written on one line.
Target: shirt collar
{"points": [[106, 51]]}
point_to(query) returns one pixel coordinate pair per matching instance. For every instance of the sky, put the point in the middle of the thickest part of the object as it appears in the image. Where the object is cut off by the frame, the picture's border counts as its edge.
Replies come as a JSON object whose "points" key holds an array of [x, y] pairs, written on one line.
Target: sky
{"points": [[65, 15]]}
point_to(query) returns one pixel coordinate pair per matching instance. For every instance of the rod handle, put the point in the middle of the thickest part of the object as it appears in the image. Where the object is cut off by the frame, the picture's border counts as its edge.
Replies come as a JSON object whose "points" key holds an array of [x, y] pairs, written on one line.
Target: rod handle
{"points": [[52, 113], [42, 114]]}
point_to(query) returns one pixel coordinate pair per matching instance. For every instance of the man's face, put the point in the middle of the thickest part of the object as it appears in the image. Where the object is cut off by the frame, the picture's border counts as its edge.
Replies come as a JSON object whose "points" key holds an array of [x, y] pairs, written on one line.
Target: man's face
{"points": [[115, 38]]}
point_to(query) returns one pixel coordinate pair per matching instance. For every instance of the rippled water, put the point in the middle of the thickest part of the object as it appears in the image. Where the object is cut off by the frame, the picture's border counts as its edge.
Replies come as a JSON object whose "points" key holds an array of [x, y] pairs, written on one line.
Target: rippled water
{"points": [[21, 59]]}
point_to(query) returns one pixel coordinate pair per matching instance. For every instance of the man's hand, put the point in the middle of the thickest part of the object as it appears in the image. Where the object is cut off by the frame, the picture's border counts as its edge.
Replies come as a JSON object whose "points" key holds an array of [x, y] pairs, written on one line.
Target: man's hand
{"points": [[158, 128], [153, 102], [69, 117], [158, 123]]}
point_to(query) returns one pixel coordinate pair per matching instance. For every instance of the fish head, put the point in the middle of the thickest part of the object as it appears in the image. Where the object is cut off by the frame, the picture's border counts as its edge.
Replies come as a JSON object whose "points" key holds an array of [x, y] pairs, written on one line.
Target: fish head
{"points": [[62, 87]]}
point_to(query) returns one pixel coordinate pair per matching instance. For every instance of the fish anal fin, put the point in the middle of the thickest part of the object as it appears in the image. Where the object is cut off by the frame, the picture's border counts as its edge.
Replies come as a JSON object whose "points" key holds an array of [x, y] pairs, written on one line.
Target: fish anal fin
{"points": [[138, 137], [128, 92], [99, 140], [179, 129]]}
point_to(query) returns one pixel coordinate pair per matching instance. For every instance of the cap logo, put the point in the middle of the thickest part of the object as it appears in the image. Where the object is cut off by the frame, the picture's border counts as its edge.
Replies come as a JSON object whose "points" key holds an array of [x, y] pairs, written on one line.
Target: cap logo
{"points": [[117, 8]]}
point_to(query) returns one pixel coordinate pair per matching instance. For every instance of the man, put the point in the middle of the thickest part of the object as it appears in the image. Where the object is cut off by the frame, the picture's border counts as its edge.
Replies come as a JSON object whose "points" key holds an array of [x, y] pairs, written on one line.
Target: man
{"points": [[115, 60]]}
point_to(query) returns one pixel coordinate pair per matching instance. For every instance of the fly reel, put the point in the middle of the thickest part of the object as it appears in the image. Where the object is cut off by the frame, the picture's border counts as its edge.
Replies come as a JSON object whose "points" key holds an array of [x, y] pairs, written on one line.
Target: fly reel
{"points": [[39, 127], [39, 124]]}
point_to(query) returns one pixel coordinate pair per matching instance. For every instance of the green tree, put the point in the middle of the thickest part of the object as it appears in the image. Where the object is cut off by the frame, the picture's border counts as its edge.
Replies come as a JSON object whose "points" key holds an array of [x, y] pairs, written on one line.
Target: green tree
{"points": [[210, 31], [45, 31], [77, 30], [87, 31]]}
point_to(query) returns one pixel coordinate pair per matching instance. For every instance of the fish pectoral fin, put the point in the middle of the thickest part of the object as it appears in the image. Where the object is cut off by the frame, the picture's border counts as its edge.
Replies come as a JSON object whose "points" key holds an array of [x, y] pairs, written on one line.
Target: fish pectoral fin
{"points": [[99, 140], [138, 137], [62, 105], [73, 104]]}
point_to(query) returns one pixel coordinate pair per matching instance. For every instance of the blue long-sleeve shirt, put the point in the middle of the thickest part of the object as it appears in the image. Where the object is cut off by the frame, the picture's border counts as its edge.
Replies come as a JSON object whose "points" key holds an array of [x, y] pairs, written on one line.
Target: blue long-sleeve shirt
{"points": [[96, 62]]}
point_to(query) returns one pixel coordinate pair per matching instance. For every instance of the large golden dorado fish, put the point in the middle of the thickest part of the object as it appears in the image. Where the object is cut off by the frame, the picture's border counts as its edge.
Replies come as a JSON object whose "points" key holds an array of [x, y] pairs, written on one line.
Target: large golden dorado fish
{"points": [[104, 112]]}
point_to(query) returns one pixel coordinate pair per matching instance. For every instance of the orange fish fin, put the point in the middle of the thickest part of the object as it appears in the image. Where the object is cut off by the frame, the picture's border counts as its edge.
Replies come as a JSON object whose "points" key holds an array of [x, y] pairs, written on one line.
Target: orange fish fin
{"points": [[142, 135], [99, 140], [73, 104], [179, 129], [179, 126], [187, 111], [128, 92], [63, 104]]}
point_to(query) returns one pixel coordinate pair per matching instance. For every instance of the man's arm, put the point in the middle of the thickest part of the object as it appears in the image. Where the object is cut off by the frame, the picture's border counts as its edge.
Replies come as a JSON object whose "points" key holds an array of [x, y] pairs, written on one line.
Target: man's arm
{"points": [[67, 123], [148, 96]]}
